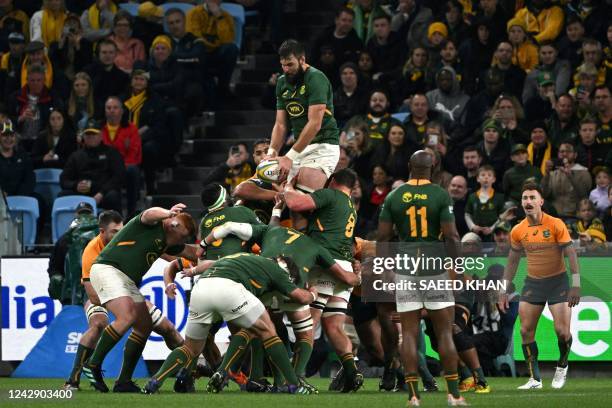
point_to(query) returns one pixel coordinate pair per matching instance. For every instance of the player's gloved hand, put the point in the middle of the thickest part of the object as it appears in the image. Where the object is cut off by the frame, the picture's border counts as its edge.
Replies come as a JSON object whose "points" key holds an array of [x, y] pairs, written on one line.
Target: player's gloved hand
{"points": [[188, 273], [573, 296], [171, 290]]}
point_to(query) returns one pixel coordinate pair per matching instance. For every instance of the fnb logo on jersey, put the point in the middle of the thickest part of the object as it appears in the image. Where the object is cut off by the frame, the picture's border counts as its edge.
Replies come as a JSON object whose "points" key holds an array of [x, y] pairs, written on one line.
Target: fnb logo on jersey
{"points": [[174, 310]]}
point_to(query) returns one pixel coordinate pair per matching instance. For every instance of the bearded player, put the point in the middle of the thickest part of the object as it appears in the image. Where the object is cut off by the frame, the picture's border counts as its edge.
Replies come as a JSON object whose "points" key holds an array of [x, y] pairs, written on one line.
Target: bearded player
{"points": [[546, 242], [304, 106]]}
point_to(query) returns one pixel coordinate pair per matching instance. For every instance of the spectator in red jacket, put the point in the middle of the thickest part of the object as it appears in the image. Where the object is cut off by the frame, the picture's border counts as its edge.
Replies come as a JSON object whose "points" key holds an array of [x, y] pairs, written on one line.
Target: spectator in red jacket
{"points": [[118, 133]]}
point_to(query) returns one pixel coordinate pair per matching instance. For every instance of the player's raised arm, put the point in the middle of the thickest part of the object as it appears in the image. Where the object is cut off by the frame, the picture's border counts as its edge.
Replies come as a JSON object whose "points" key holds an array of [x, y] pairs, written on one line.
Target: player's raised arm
{"points": [[298, 201], [250, 191], [156, 214], [573, 296], [242, 230], [170, 275]]}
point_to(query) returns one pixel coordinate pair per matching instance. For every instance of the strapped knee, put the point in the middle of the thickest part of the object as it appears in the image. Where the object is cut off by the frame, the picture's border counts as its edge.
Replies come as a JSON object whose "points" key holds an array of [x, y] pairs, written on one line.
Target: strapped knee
{"points": [[335, 308], [302, 325], [95, 310]]}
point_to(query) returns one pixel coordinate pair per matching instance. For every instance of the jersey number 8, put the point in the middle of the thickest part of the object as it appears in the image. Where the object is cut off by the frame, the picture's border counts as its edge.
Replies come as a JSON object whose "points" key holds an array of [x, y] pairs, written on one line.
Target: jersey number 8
{"points": [[350, 226]]}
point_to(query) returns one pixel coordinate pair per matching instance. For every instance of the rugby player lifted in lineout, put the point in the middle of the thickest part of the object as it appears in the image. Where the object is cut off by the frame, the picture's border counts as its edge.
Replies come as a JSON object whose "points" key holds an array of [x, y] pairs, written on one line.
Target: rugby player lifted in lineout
{"points": [[304, 101], [546, 242]]}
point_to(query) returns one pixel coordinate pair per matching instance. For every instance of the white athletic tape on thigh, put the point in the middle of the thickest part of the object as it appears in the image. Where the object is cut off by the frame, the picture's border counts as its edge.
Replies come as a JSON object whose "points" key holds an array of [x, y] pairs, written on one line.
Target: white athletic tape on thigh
{"points": [[334, 308], [156, 316], [302, 325], [93, 309], [304, 189]]}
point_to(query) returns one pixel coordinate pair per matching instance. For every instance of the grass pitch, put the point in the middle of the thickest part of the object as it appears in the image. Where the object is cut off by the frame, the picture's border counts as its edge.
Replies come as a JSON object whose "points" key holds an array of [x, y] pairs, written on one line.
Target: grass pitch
{"points": [[577, 393]]}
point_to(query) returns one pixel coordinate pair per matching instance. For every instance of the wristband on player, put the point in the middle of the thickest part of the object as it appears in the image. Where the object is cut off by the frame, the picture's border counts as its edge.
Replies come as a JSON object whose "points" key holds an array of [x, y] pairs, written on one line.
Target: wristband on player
{"points": [[168, 285], [314, 297], [271, 151], [203, 244], [575, 280], [277, 212], [292, 154]]}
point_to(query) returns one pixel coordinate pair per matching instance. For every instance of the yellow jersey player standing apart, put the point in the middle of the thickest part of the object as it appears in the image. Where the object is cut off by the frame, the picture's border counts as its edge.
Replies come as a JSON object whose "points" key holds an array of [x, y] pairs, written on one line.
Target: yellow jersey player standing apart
{"points": [[304, 106], [546, 242]]}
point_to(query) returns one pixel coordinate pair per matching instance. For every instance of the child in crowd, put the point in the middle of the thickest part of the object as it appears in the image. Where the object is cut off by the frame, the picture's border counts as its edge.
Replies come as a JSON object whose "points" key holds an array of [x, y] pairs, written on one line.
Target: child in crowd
{"points": [[485, 205], [588, 228], [599, 195]]}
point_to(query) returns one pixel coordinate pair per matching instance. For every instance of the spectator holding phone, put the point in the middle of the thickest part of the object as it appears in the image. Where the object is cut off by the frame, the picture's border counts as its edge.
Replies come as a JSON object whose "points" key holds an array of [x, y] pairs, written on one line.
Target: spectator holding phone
{"points": [[566, 182], [509, 113], [587, 81], [236, 169]]}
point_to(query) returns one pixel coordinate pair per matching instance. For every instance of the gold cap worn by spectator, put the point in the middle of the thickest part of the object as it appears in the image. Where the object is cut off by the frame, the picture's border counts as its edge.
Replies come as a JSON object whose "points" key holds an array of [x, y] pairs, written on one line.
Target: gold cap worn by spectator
{"points": [[516, 22], [92, 126], [437, 27], [149, 9], [162, 39], [7, 127], [517, 148]]}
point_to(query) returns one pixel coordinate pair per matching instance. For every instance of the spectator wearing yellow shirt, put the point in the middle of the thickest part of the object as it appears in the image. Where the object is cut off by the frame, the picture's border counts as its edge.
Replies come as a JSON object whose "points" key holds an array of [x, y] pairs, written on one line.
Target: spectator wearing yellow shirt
{"points": [[216, 28], [47, 24], [524, 53]]}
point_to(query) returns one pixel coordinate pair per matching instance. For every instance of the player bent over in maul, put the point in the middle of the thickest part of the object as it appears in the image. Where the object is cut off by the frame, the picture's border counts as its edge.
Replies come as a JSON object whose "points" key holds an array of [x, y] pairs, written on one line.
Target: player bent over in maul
{"points": [[118, 271], [229, 289]]}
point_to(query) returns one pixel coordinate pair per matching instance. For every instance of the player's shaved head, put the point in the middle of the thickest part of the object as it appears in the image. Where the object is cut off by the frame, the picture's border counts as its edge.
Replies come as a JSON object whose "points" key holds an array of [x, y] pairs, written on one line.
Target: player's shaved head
{"points": [[421, 163]]}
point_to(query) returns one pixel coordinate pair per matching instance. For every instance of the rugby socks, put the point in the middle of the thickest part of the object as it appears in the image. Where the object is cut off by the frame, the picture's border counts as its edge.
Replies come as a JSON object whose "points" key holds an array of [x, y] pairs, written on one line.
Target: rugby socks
{"points": [[412, 381], [134, 346], [302, 353], [464, 373], [277, 354], [452, 383], [107, 341], [479, 376], [257, 359], [564, 349], [235, 350], [82, 354], [179, 358], [348, 363], [530, 351]]}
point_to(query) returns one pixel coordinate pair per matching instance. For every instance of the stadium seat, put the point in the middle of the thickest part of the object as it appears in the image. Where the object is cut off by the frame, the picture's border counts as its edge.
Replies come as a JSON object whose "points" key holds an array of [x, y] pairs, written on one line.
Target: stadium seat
{"points": [[26, 209], [506, 359], [48, 183], [131, 8], [63, 213], [185, 7], [401, 116], [237, 11]]}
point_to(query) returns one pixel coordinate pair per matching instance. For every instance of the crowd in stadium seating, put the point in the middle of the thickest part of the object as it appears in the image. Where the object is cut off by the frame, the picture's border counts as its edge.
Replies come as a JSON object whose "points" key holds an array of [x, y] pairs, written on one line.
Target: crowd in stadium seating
{"points": [[498, 91]]}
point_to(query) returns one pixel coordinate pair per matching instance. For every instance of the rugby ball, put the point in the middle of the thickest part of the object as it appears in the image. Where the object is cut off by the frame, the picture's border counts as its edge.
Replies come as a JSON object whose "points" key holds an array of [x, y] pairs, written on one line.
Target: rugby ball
{"points": [[268, 171]]}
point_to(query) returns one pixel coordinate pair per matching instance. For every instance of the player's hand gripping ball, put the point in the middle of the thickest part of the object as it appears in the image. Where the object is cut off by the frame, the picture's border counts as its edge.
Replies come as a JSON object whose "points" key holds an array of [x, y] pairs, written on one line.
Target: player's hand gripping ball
{"points": [[268, 170]]}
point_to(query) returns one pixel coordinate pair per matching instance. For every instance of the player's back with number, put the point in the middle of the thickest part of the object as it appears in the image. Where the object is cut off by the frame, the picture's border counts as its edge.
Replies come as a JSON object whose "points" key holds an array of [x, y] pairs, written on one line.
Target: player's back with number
{"points": [[417, 209], [332, 224]]}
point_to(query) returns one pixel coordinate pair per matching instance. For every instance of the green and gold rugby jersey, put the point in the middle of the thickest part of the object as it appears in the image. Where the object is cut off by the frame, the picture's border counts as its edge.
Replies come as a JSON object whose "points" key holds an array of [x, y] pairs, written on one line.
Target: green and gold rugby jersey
{"points": [[417, 209], [315, 89], [257, 274], [305, 252], [230, 244], [332, 224], [136, 247]]}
